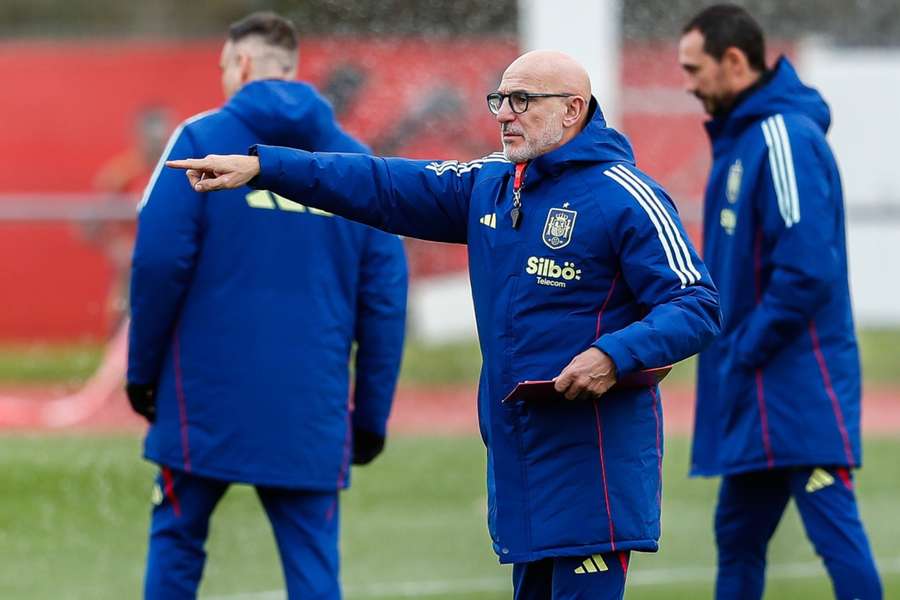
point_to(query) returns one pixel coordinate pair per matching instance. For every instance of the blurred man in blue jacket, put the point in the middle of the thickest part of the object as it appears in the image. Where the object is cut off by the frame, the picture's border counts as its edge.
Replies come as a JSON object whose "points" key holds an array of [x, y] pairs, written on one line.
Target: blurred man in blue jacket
{"points": [[244, 312], [778, 403], [581, 272]]}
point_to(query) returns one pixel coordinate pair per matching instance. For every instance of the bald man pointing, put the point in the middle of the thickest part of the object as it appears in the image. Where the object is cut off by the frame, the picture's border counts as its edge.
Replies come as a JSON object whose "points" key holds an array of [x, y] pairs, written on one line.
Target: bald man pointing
{"points": [[581, 273]]}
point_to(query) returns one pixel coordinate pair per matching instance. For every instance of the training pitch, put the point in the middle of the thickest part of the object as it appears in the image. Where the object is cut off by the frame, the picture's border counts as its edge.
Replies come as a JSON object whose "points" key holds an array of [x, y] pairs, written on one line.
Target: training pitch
{"points": [[75, 511]]}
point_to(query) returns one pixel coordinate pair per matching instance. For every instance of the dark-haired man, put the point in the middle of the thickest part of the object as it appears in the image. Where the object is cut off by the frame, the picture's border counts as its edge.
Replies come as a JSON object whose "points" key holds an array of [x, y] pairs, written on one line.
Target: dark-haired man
{"points": [[239, 350], [778, 403]]}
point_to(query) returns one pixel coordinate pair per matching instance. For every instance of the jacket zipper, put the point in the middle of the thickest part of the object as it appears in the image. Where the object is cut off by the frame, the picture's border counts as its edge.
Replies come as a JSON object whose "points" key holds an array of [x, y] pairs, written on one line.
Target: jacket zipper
{"points": [[516, 212]]}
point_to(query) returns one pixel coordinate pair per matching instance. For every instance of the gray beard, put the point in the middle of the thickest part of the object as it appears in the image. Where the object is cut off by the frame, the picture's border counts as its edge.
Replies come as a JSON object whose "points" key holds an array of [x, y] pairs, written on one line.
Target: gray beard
{"points": [[546, 139]]}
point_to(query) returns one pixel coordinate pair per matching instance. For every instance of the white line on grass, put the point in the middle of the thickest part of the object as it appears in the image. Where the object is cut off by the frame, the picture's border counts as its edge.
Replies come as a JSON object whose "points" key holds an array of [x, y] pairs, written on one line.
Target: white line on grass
{"points": [[648, 577]]}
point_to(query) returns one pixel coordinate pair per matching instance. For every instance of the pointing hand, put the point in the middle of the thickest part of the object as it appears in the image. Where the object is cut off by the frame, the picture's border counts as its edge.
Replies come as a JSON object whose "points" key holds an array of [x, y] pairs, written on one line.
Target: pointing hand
{"points": [[217, 172]]}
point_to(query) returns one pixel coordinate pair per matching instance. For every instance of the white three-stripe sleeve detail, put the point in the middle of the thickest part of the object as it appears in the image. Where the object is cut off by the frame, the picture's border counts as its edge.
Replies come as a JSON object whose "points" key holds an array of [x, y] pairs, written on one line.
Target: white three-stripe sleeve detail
{"points": [[778, 143], [791, 175], [459, 168], [777, 169], [659, 232], [776, 173], [675, 237], [636, 185]]}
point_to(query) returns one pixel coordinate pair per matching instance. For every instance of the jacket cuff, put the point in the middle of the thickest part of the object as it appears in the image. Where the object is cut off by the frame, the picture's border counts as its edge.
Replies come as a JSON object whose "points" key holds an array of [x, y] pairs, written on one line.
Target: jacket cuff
{"points": [[370, 424], [618, 352], [269, 167]]}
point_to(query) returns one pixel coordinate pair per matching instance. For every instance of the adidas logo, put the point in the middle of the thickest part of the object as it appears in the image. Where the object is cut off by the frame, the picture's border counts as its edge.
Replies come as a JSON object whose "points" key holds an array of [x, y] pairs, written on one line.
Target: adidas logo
{"points": [[592, 564], [490, 220], [820, 478], [266, 199]]}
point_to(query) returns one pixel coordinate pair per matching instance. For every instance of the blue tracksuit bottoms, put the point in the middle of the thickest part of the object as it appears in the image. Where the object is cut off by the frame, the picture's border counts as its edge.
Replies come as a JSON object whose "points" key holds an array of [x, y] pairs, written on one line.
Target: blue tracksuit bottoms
{"points": [[305, 525], [749, 509], [597, 577]]}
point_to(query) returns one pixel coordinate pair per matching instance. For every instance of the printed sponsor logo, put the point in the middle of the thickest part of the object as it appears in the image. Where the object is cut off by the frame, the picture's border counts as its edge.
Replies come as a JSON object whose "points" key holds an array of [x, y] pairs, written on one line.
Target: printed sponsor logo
{"points": [[551, 273], [268, 200]]}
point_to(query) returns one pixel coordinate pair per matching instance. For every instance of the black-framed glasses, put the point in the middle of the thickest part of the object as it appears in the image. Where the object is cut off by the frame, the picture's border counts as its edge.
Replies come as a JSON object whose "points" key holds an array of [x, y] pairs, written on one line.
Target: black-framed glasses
{"points": [[518, 101]]}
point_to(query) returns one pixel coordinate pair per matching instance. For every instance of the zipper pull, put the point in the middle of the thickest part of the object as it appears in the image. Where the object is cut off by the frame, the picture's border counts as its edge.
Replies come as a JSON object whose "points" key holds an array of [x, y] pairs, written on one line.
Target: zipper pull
{"points": [[516, 212]]}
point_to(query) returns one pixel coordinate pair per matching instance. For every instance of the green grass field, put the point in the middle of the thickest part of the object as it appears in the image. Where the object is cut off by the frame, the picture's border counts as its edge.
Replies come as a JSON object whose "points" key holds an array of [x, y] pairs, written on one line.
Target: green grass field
{"points": [[422, 364], [74, 515]]}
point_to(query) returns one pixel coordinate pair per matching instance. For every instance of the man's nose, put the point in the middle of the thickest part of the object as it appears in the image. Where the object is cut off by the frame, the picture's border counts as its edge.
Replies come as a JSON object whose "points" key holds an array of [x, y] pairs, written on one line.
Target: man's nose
{"points": [[690, 84], [505, 114]]}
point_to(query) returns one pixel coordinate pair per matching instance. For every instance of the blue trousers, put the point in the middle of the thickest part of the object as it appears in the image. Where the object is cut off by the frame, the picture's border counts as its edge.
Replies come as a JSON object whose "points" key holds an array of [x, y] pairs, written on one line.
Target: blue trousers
{"points": [[598, 577], [305, 526], [750, 507]]}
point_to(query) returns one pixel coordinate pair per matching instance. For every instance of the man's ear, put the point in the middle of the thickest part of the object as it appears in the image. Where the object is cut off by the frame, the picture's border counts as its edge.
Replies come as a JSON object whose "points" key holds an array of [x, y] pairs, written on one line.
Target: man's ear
{"points": [[245, 66], [734, 61], [575, 109]]}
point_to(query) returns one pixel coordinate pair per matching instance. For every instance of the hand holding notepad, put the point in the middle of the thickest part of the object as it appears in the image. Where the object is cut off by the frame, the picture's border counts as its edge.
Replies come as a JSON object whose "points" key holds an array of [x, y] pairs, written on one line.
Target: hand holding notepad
{"points": [[544, 389]]}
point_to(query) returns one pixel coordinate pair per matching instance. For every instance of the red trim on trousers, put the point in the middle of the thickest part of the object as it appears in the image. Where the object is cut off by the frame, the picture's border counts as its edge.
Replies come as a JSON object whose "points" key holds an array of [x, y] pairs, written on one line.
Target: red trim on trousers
{"points": [[169, 485], [623, 559], [612, 534], [182, 406], [844, 474], [835, 405]]}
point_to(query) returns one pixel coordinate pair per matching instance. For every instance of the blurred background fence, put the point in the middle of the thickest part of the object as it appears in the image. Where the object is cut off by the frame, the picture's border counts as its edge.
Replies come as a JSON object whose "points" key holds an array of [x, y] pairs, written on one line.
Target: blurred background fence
{"points": [[92, 89]]}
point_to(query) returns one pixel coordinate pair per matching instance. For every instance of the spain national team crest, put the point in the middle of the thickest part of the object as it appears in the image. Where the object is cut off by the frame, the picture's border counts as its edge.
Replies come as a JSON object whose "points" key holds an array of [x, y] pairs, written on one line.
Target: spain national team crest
{"points": [[733, 185], [558, 228]]}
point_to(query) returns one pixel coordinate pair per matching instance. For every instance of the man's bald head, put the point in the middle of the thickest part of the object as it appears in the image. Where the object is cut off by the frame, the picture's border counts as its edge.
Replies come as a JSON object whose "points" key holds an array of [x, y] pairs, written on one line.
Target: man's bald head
{"points": [[556, 110], [551, 70]]}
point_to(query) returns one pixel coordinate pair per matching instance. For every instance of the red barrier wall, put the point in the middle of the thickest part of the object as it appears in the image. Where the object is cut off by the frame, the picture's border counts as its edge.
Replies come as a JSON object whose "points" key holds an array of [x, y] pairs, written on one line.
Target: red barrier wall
{"points": [[68, 108]]}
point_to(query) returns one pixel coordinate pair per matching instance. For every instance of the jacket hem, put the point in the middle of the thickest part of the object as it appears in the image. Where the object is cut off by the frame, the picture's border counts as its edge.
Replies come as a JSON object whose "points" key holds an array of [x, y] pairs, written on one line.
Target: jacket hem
{"points": [[764, 466], [255, 479], [644, 545]]}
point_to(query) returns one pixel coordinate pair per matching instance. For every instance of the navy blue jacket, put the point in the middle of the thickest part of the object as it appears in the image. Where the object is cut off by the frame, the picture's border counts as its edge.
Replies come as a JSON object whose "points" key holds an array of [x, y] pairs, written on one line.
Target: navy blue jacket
{"points": [[244, 308], [781, 385], [600, 258]]}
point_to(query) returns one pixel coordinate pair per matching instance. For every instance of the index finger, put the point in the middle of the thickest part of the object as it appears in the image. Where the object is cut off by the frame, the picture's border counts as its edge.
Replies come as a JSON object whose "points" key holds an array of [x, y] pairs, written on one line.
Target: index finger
{"points": [[188, 163]]}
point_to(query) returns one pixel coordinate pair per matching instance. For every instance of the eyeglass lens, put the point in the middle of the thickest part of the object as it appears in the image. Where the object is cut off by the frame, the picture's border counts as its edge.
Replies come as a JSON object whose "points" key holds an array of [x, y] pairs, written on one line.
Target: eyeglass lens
{"points": [[518, 102]]}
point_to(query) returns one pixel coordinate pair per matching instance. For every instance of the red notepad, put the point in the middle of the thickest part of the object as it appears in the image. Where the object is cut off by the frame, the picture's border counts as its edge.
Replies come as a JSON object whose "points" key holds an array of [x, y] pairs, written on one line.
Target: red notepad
{"points": [[543, 390]]}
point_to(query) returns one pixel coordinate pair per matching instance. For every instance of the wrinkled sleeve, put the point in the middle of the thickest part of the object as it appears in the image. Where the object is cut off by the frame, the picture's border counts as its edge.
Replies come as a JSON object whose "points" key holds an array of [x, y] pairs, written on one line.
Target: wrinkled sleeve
{"points": [[406, 197], [660, 267], [800, 233], [165, 253]]}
